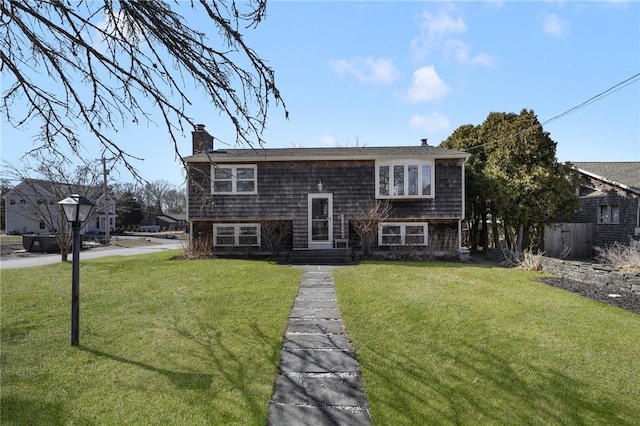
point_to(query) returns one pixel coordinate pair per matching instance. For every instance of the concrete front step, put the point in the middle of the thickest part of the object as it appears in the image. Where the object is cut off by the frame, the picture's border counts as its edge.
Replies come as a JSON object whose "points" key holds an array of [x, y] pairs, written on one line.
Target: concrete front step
{"points": [[321, 257]]}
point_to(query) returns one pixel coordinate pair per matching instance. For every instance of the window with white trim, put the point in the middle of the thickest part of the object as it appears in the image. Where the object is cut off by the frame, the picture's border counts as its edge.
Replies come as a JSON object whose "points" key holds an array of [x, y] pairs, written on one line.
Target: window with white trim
{"points": [[236, 235], [234, 179], [609, 213], [405, 179], [402, 234]]}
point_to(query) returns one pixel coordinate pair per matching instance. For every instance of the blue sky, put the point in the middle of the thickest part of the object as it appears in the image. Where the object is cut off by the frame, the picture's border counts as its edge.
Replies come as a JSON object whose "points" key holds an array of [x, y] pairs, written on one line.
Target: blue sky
{"points": [[391, 73]]}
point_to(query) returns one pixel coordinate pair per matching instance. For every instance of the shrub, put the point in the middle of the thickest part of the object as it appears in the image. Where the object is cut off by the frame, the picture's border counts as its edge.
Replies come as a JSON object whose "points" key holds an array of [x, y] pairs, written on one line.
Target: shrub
{"points": [[365, 224], [526, 260], [274, 233], [530, 261], [199, 247], [620, 256]]}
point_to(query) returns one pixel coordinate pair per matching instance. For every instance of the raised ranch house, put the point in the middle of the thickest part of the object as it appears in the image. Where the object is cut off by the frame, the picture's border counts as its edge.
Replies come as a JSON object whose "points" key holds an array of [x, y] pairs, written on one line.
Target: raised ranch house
{"points": [[32, 199], [237, 197], [610, 199]]}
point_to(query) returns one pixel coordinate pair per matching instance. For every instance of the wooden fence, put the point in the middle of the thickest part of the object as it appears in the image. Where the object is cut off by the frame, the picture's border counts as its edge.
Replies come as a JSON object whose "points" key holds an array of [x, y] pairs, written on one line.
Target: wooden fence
{"points": [[573, 241]]}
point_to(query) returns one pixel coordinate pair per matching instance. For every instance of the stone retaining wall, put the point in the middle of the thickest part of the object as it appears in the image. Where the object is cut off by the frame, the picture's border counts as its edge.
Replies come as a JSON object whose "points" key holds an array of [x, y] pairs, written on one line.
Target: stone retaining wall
{"points": [[602, 275]]}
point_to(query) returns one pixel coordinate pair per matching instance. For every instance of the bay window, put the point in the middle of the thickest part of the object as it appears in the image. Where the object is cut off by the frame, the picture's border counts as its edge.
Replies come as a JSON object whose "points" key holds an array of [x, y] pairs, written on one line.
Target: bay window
{"points": [[404, 179]]}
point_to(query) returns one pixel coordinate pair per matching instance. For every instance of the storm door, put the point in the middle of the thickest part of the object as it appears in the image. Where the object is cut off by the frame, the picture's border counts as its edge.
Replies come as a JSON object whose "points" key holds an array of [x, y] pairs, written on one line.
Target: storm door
{"points": [[320, 221]]}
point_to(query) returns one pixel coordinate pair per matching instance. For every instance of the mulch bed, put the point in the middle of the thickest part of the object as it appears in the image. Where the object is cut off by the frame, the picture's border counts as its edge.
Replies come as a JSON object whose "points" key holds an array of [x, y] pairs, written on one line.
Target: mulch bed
{"points": [[628, 301]]}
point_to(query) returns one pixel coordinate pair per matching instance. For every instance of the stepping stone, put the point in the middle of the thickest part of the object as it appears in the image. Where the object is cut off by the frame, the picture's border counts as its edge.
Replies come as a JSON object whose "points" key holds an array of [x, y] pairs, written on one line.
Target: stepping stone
{"points": [[308, 313], [317, 416], [315, 304], [318, 361], [315, 326], [321, 391], [316, 341]]}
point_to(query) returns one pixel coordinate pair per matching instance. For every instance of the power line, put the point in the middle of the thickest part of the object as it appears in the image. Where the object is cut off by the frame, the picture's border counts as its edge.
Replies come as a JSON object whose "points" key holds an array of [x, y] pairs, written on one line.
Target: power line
{"points": [[601, 95], [597, 97]]}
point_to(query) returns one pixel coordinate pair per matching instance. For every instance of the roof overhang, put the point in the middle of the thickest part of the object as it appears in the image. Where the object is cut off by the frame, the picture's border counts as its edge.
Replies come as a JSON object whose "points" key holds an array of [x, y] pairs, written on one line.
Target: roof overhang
{"points": [[224, 157], [609, 181]]}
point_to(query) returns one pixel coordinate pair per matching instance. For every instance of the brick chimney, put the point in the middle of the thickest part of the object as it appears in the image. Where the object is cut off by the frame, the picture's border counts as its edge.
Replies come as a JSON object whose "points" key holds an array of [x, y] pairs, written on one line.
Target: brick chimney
{"points": [[202, 140]]}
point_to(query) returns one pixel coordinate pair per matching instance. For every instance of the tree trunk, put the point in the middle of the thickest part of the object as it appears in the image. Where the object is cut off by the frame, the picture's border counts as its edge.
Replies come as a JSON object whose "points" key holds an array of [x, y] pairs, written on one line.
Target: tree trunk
{"points": [[485, 230], [518, 247], [507, 234], [495, 229]]}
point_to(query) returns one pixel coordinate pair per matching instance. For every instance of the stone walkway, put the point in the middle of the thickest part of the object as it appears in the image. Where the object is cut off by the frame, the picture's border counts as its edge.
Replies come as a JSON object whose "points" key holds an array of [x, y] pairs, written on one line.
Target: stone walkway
{"points": [[319, 381]]}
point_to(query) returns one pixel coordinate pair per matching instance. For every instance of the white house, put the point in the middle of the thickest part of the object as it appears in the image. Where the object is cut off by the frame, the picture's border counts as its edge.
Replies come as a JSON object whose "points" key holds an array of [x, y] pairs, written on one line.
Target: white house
{"points": [[32, 207]]}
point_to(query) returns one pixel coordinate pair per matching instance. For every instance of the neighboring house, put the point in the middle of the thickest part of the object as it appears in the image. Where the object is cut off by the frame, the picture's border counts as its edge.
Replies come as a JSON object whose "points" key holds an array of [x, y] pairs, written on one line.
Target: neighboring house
{"points": [[315, 192], [167, 222], [610, 198], [31, 207]]}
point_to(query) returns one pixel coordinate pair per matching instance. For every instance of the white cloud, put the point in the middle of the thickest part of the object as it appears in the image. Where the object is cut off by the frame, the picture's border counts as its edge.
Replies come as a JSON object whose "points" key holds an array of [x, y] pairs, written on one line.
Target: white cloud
{"points": [[426, 85], [443, 24], [367, 70], [461, 52], [441, 33], [553, 25], [434, 29], [430, 123]]}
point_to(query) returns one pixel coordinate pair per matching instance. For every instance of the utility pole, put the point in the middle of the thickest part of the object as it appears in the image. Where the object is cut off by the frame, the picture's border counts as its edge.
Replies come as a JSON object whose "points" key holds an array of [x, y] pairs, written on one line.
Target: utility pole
{"points": [[105, 201]]}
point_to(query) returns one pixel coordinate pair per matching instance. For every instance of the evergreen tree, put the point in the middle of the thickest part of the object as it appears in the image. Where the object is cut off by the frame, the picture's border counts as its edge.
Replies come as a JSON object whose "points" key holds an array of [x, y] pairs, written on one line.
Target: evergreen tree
{"points": [[129, 211], [514, 177]]}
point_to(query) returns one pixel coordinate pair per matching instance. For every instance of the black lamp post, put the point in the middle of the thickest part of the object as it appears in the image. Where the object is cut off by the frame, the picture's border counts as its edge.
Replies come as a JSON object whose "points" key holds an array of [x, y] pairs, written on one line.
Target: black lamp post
{"points": [[76, 209]]}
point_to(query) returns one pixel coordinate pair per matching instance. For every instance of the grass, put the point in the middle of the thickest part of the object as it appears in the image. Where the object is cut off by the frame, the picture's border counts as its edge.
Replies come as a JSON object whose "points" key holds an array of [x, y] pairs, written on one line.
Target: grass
{"points": [[443, 343], [161, 341], [197, 342]]}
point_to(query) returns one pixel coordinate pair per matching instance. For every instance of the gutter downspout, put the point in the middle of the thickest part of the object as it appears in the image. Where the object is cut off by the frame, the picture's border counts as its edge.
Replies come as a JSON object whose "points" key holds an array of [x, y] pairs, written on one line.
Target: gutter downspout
{"points": [[638, 214], [463, 254]]}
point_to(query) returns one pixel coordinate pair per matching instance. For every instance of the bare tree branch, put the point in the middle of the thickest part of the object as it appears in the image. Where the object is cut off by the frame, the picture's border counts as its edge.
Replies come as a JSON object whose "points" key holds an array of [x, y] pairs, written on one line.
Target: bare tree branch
{"points": [[95, 65]]}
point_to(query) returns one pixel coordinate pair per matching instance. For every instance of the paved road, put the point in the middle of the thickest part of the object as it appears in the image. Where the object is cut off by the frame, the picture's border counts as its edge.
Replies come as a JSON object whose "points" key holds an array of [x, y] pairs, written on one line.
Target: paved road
{"points": [[160, 244]]}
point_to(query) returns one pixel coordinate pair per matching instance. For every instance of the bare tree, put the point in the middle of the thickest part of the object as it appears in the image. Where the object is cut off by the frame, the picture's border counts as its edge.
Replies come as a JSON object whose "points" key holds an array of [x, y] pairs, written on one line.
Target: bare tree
{"points": [[99, 65], [366, 221], [44, 182], [273, 233], [174, 201], [160, 197]]}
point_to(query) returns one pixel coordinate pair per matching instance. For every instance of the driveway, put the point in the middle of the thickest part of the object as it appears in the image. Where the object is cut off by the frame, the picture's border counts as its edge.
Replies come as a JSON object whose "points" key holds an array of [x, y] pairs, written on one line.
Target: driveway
{"points": [[157, 244]]}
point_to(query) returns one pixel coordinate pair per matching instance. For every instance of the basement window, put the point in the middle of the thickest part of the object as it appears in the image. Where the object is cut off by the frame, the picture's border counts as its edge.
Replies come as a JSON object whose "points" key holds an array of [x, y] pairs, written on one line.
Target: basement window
{"points": [[402, 234], [236, 235]]}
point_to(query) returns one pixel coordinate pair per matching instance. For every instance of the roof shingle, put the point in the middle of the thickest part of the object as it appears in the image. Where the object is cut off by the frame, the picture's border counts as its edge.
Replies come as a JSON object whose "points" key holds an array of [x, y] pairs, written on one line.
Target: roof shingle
{"points": [[625, 172], [282, 154]]}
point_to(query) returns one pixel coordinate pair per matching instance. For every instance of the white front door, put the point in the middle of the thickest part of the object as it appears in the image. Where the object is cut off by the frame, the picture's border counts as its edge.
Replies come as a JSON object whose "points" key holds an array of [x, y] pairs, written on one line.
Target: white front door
{"points": [[320, 221]]}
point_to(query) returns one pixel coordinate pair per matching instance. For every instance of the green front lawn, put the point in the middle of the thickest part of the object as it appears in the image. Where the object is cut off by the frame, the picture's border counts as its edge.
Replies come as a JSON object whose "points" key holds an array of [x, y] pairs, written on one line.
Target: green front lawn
{"points": [[445, 343], [161, 341], [197, 342]]}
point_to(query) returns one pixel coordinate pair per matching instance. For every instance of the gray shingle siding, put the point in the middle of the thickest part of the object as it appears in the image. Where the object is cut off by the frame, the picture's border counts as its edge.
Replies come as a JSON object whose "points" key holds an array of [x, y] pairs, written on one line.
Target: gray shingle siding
{"points": [[610, 183], [283, 188], [609, 233]]}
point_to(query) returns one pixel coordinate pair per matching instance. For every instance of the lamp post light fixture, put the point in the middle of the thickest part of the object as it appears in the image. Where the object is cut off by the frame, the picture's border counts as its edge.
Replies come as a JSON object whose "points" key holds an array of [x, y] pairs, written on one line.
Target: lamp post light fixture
{"points": [[76, 209]]}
